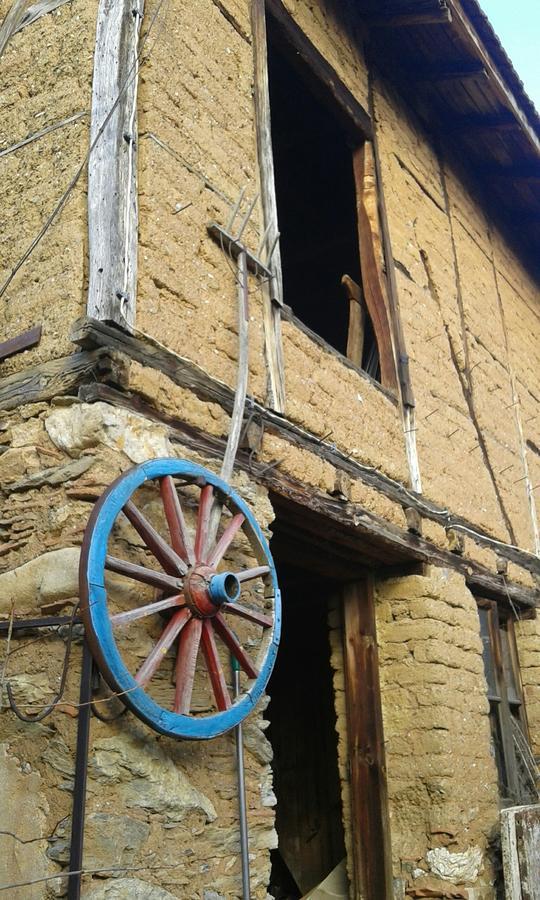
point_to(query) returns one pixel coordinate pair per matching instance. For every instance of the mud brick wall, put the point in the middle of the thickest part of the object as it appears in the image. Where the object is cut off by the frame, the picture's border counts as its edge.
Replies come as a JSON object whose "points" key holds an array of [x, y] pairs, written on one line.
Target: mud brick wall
{"points": [[442, 780]]}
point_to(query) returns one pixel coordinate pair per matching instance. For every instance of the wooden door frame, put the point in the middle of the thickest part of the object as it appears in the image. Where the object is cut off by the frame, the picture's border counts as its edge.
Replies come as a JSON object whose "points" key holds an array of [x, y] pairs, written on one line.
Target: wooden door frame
{"points": [[371, 844]]}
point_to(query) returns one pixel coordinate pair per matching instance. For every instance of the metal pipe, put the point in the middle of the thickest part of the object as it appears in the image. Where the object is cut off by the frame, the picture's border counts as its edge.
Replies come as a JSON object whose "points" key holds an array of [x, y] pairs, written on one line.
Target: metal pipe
{"points": [[79, 783], [242, 805]]}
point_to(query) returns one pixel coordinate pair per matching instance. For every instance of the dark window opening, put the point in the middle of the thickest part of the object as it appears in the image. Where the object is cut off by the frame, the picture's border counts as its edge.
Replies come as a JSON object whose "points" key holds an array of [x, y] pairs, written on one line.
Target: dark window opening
{"points": [[303, 736], [316, 202]]}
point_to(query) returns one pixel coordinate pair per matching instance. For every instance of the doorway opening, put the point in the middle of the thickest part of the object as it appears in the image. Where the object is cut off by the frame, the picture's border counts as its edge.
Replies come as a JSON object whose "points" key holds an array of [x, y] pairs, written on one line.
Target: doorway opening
{"points": [[302, 731]]}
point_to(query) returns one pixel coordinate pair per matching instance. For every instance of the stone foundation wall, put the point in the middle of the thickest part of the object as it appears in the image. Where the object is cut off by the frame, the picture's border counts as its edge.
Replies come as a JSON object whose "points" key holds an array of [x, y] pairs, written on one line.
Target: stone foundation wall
{"points": [[163, 812], [442, 780]]}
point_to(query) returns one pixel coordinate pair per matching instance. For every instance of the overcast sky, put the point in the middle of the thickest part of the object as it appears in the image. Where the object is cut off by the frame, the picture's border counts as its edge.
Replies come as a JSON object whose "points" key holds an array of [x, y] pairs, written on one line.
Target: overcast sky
{"points": [[517, 25]]}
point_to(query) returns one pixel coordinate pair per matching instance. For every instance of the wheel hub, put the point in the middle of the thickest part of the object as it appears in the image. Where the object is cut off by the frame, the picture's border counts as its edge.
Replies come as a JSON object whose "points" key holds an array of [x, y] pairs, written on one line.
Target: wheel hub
{"points": [[206, 590]]}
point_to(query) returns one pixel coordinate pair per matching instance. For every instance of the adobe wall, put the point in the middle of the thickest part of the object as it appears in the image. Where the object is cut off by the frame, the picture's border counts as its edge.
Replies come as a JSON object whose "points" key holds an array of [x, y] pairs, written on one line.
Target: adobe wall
{"points": [[472, 331], [442, 780]]}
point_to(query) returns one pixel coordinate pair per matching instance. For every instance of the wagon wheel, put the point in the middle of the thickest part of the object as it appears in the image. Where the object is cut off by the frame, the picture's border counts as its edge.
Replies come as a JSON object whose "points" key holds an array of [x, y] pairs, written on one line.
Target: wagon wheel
{"points": [[198, 608]]}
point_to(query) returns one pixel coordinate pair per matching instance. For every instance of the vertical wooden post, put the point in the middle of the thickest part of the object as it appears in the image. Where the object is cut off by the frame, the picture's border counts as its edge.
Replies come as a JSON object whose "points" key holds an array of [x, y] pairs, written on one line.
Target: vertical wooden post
{"points": [[372, 859], [272, 292], [112, 166]]}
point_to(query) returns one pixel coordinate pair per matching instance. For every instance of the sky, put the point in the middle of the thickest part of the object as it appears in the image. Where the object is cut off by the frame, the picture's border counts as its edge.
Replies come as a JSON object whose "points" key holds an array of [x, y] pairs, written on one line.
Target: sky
{"points": [[517, 25]]}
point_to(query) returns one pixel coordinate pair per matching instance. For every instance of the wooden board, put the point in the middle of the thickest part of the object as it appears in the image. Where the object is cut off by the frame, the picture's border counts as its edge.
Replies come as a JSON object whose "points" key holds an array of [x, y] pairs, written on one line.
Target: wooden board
{"points": [[372, 858]]}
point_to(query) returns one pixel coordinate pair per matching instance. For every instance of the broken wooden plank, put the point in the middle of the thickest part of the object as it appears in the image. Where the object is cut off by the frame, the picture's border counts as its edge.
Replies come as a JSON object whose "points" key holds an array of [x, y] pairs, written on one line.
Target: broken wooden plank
{"points": [[272, 290], [23, 341], [112, 165], [357, 317], [372, 284]]}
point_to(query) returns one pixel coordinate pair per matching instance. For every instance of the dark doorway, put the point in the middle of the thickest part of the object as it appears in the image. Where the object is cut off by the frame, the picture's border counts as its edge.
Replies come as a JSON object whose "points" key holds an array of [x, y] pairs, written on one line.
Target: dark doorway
{"points": [[303, 736]]}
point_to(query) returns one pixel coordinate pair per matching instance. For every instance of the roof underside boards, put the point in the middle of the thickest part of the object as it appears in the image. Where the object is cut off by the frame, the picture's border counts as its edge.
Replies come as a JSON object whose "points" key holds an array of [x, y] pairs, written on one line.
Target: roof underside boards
{"points": [[445, 58]]}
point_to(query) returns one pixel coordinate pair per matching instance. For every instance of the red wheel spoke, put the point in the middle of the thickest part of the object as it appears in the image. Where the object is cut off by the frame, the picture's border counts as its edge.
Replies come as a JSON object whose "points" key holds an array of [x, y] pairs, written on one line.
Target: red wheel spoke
{"points": [[131, 615], [224, 542], [164, 554], [141, 573], [180, 537], [252, 615], [186, 662], [219, 686], [234, 646], [249, 574], [156, 657], [203, 519]]}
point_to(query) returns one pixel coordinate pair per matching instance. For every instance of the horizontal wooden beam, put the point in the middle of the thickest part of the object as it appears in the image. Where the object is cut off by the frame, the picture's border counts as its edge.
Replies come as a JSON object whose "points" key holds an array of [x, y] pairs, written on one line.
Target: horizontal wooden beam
{"points": [[291, 40], [23, 341], [442, 74], [91, 333], [51, 379], [436, 14], [476, 124], [338, 520], [512, 173]]}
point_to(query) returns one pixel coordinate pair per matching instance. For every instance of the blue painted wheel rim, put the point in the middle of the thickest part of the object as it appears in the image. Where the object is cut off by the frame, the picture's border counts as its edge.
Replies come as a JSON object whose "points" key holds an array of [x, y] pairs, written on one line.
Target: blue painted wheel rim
{"points": [[96, 617]]}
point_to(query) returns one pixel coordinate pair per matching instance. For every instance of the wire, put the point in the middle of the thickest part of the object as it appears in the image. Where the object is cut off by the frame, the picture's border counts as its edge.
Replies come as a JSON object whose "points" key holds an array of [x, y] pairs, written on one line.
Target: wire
{"points": [[47, 710]]}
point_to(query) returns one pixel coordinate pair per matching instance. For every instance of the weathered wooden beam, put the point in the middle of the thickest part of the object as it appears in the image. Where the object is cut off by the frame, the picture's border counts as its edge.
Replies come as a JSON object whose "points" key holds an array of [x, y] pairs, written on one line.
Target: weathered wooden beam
{"points": [[272, 291], [292, 40], [433, 14], [357, 316], [234, 248], [479, 124], [350, 520], [89, 333], [51, 379], [22, 342], [112, 165], [443, 74]]}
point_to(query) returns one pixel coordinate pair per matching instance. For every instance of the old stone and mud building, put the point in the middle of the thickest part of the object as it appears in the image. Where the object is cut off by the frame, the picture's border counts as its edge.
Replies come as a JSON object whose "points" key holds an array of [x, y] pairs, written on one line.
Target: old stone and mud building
{"points": [[380, 163]]}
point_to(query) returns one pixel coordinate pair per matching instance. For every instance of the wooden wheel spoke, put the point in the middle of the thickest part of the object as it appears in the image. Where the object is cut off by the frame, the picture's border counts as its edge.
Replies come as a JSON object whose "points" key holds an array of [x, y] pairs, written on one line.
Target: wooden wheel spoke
{"points": [[225, 540], [203, 520], [217, 678], [169, 559], [186, 662], [231, 641], [141, 573], [124, 618], [157, 655], [251, 615], [249, 574], [174, 513]]}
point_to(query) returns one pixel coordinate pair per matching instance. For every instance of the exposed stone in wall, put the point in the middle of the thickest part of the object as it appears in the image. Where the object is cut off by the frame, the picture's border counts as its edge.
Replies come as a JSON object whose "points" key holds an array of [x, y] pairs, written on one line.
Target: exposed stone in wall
{"points": [[441, 776], [528, 644]]}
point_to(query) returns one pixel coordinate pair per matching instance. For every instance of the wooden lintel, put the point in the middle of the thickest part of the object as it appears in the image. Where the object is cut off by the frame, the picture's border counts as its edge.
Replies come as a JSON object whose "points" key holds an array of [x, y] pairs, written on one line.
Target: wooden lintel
{"points": [[91, 333], [442, 74], [23, 341], [292, 41], [439, 14]]}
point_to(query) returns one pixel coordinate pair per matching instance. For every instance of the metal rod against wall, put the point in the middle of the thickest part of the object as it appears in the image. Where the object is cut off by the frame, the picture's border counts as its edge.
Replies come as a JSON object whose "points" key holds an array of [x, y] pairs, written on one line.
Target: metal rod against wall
{"points": [[79, 786], [242, 806]]}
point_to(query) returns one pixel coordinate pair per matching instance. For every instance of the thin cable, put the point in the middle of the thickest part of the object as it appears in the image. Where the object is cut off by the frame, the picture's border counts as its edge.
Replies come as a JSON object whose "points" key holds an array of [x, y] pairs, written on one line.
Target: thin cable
{"points": [[135, 68], [47, 710]]}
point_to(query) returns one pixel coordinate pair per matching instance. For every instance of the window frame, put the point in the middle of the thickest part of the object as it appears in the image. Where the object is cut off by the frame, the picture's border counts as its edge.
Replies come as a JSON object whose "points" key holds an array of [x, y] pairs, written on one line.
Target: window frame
{"points": [[505, 671]]}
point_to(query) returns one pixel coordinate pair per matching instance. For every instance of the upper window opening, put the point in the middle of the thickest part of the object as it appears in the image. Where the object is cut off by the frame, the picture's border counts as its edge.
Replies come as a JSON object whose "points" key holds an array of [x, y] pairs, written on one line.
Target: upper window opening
{"points": [[316, 202]]}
